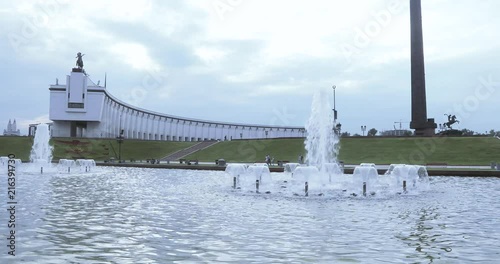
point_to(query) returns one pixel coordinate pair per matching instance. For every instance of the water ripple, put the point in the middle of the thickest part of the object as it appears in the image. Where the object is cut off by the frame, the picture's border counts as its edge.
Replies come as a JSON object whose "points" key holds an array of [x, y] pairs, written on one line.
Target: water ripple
{"points": [[167, 216]]}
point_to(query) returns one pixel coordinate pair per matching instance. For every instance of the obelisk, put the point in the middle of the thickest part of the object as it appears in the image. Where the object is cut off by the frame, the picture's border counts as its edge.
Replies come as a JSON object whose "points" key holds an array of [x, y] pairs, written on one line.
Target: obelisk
{"points": [[419, 121]]}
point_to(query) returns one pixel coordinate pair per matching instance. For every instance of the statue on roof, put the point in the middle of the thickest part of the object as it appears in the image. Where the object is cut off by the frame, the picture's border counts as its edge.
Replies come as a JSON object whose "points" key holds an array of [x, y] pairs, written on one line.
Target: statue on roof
{"points": [[79, 60]]}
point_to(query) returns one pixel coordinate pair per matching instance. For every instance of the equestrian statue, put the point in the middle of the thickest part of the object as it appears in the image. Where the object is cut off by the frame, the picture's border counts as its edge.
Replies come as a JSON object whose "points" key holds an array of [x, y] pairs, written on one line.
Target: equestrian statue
{"points": [[452, 119]]}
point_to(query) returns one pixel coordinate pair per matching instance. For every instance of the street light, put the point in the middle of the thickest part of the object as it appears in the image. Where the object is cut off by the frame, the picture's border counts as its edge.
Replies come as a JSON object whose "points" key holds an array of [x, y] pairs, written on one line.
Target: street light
{"points": [[363, 128], [120, 139], [334, 109]]}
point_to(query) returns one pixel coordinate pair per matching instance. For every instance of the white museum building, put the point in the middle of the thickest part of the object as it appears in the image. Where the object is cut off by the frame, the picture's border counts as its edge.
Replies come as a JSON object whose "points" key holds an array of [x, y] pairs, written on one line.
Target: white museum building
{"points": [[81, 108]]}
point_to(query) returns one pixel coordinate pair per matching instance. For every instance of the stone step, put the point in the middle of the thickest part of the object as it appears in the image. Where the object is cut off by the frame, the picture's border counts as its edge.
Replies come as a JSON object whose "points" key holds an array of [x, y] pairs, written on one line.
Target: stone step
{"points": [[187, 151]]}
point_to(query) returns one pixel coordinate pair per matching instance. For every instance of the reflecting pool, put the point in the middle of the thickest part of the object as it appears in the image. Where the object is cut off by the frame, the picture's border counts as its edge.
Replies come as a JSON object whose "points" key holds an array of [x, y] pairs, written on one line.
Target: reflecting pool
{"points": [[130, 215]]}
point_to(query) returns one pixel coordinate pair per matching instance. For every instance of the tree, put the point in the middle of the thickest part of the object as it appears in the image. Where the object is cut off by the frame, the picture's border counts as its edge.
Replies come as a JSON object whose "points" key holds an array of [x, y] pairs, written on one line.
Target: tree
{"points": [[345, 134], [372, 132], [494, 133], [467, 132], [408, 133]]}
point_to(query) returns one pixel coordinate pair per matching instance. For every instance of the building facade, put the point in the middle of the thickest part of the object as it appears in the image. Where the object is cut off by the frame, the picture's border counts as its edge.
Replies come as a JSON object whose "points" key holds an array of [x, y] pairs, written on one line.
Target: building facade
{"points": [[81, 108], [11, 129], [396, 133]]}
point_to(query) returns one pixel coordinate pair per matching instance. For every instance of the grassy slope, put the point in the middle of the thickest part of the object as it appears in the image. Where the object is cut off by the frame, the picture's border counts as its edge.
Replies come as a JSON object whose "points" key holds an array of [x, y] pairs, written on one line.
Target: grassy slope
{"points": [[19, 146], [93, 148], [252, 150], [453, 150]]}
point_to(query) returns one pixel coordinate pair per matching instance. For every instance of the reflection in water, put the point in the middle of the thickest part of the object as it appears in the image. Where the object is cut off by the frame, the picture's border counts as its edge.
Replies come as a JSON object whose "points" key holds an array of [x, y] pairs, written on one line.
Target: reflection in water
{"points": [[167, 216], [424, 236], [453, 223]]}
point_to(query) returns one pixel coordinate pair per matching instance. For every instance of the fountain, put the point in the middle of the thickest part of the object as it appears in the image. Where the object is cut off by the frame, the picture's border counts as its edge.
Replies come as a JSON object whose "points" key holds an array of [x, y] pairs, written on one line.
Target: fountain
{"points": [[66, 164], [322, 143], [322, 146], [333, 170], [307, 178], [290, 167], [85, 165], [192, 207], [236, 170], [364, 178], [256, 177], [41, 155], [41, 152], [407, 178], [322, 174], [4, 162]]}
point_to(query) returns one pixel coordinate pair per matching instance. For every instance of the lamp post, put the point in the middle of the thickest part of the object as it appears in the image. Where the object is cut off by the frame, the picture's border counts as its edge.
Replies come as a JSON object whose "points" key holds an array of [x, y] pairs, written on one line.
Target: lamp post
{"points": [[334, 109], [363, 128], [120, 139]]}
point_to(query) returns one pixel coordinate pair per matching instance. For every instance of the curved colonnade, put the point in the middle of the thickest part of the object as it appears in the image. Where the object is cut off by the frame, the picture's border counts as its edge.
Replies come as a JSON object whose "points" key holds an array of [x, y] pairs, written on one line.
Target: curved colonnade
{"points": [[80, 108], [148, 125]]}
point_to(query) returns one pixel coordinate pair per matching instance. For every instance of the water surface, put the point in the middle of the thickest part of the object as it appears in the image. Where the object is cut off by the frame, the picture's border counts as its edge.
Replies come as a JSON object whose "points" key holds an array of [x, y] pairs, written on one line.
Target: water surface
{"points": [[129, 215]]}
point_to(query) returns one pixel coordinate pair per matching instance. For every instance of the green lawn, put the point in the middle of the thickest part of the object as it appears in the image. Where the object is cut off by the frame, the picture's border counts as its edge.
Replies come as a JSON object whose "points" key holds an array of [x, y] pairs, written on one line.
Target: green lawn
{"points": [[252, 150], [19, 146], [411, 150], [98, 149], [379, 150]]}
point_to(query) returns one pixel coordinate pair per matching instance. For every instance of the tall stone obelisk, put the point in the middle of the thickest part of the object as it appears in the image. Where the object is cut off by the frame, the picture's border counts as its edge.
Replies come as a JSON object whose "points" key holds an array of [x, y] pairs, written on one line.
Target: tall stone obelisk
{"points": [[419, 121]]}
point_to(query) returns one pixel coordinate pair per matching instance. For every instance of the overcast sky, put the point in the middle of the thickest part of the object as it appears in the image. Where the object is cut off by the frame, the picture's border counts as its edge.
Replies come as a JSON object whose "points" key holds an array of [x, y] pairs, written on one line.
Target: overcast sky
{"points": [[256, 61]]}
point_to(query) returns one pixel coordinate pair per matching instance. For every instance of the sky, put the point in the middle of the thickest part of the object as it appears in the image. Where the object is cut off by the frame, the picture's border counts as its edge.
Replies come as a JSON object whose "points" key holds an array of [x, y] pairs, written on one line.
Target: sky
{"points": [[256, 61]]}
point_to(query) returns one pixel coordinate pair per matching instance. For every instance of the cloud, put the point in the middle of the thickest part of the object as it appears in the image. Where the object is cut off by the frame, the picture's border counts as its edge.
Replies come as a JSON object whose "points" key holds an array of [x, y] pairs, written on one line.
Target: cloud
{"points": [[188, 59], [135, 56], [23, 124], [210, 55]]}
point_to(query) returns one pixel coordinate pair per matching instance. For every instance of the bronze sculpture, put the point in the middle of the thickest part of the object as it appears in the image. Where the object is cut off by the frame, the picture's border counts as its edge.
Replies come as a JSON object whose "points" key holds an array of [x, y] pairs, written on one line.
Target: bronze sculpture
{"points": [[79, 61], [452, 119]]}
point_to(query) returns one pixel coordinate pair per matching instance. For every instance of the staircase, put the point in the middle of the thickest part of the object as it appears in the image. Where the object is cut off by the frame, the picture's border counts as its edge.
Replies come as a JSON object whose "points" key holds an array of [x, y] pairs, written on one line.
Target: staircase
{"points": [[184, 152]]}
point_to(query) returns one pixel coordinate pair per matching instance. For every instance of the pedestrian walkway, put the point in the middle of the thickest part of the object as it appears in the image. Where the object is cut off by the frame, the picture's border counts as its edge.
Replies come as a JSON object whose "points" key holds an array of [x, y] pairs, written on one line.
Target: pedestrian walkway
{"points": [[190, 150]]}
